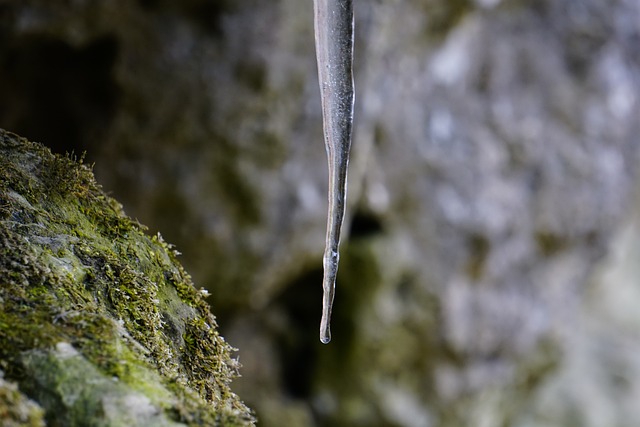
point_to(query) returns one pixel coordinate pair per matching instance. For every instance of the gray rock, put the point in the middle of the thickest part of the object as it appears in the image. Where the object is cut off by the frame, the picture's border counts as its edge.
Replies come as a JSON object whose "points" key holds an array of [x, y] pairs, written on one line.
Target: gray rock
{"points": [[494, 163]]}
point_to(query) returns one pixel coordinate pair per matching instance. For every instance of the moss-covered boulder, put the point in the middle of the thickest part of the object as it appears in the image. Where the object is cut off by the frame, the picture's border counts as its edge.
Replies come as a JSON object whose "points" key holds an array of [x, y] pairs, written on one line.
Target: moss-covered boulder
{"points": [[99, 324]]}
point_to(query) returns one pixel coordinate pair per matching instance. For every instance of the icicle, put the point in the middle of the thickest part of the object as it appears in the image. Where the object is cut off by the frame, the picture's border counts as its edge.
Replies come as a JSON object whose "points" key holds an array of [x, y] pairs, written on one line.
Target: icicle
{"points": [[333, 20]]}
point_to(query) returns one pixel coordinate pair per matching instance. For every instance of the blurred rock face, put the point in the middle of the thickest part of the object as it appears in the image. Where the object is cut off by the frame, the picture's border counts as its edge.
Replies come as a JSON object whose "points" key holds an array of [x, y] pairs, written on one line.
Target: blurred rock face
{"points": [[494, 158]]}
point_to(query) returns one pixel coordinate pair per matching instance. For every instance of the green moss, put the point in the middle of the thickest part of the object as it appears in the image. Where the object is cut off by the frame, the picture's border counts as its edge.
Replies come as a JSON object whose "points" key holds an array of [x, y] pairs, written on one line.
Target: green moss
{"points": [[63, 376], [75, 270], [16, 410]]}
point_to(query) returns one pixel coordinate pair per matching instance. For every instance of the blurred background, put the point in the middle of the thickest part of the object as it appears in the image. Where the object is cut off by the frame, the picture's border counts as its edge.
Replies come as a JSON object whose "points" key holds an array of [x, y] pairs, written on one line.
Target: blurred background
{"points": [[490, 270]]}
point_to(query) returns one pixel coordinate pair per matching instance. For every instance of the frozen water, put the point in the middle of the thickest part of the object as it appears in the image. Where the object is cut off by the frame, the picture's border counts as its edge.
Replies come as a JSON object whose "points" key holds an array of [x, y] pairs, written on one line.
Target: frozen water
{"points": [[333, 21]]}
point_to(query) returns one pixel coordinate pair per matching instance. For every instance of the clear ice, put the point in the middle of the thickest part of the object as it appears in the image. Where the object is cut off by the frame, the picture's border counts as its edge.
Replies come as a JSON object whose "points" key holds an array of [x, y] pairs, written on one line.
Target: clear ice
{"points": [[333, 21]]}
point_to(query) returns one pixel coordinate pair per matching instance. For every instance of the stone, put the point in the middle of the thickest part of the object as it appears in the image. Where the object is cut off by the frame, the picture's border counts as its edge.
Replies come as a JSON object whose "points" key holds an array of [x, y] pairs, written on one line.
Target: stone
{"points": [[99, 323], [492, 176]]}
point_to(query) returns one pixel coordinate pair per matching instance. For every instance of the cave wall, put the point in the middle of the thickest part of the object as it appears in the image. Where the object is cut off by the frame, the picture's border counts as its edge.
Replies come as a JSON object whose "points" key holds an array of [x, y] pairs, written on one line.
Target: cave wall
{"points": [[492, 179]]}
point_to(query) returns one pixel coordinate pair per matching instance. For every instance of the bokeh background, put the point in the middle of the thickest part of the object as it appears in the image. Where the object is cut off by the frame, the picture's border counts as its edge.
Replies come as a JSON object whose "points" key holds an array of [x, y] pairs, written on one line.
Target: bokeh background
{"points": [[490, 271]]}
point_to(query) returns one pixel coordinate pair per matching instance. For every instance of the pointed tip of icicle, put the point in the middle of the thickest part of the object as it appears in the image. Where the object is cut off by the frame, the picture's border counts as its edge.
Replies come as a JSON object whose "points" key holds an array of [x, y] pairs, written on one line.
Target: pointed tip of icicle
{"points": [[325, 337]]}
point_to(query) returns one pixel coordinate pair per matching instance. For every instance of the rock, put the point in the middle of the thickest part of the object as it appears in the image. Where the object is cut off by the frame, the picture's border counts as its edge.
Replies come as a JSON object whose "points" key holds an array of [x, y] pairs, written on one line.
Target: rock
{"points": [[494, 162], [16, 409], [99, 323]]}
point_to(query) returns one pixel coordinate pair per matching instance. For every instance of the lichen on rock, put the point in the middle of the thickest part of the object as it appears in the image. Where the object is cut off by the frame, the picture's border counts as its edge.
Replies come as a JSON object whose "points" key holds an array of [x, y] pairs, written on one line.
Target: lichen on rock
{"points": [[99, 323]]}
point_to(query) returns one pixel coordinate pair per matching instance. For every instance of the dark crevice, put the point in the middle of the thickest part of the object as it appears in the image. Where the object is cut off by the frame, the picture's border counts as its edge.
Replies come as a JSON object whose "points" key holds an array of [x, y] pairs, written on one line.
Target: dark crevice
{"points": [[298, 344], [252, 73], [479, 247], [205, 14], [549, 243], [364, 224], [148, 4], [57, 94]]}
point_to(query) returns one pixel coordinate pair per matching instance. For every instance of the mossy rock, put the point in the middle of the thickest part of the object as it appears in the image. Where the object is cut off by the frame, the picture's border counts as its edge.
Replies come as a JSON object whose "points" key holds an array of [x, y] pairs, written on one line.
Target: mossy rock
{"points": [[16, 409], [99, 323]]}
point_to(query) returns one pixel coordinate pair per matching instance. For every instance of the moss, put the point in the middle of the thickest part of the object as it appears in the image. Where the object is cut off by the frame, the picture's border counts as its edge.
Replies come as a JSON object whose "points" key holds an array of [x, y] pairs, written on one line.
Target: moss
{"points": [[63, 376], [16, 410], [75, 270]]}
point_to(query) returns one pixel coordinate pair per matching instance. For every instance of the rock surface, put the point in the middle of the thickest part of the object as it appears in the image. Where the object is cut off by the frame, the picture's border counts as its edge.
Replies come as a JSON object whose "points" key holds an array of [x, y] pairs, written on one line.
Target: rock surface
{"points": [[491, 196], [99, 324], [16, 409]]}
